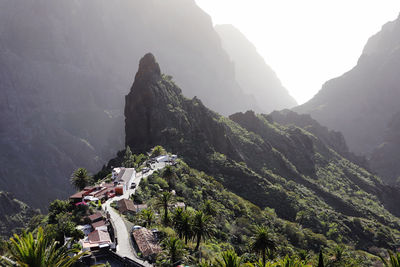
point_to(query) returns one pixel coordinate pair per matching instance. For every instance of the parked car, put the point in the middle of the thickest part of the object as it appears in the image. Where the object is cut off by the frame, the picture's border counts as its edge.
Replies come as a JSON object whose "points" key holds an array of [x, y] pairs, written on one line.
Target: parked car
{"points": [[133, 185], [136, 227], [145, 170]]}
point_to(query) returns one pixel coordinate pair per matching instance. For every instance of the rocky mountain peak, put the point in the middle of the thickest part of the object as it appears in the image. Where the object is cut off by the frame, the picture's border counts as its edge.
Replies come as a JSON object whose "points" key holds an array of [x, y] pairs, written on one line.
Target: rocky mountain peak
{"points": [[149, 69]]}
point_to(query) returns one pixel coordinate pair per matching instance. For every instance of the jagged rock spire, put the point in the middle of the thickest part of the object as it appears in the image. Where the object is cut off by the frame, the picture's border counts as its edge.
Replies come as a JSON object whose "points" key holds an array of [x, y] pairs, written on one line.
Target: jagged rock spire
{"points": [[148, 69]]}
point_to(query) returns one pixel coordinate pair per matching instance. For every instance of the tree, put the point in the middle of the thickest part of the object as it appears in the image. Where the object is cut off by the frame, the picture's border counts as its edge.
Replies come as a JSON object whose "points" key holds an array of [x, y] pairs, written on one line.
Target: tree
{"points": [[186, 226], [164, 200], [202, 227], [147, 216], [80, 179], [174, 251], [40, 251], [263, 243], [320, 259], [209, 208], [177, 219], [229, 258], [129, 159], [157, 151], [57, 207], [169, 175], [394, 260]]}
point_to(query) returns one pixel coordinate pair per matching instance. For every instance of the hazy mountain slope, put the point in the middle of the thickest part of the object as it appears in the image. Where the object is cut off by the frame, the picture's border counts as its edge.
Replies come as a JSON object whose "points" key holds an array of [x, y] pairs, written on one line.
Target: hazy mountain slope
{"points": [[14, 214], [65, 67], [361, 102], [386, 157], [285, 168], [331, 138], [252, 73]]}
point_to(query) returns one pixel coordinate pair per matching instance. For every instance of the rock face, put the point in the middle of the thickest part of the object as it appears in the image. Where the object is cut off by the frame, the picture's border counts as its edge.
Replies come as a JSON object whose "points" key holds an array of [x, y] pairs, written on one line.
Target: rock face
{"points": [[386, 157], [66, 67], [333, 139], [362, 101], [286, 168], [14, 214], [252, 73]]}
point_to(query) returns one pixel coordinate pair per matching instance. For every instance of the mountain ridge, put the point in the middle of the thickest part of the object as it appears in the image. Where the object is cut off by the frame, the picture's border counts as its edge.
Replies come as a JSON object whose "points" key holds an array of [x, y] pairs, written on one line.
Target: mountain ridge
{"points": [[282, 167]]}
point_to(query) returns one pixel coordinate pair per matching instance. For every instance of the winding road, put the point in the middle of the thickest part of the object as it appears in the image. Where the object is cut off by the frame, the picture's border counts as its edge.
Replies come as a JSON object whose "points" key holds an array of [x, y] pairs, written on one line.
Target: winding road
{"points": [[124, 247]]}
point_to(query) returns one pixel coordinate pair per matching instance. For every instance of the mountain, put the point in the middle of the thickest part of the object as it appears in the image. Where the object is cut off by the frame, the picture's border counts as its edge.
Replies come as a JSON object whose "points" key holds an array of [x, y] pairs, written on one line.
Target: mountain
{"points": [[66, 66], [14, 214], [285, 168], [252, 73], [361, 102], [331, 138], [386, 157]]}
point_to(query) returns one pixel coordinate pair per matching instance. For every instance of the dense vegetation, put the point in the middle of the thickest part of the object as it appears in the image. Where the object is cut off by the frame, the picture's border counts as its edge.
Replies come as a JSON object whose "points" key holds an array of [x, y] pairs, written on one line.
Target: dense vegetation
{"points": [[233, 223], [14, 215], [295, 172]]}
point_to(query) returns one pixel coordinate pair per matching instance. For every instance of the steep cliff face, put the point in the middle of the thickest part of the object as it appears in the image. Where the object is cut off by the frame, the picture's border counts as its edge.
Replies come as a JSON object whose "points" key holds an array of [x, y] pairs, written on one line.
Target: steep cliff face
{"points": [[283, 167], [361, 102], [252, 73], [386, 157], [14, 214], [65, 67]]}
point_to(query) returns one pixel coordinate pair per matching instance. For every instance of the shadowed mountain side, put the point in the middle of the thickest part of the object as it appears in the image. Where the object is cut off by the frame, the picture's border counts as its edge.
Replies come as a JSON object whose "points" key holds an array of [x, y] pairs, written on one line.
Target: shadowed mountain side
{"points": [[66, 66], [14, 214]]}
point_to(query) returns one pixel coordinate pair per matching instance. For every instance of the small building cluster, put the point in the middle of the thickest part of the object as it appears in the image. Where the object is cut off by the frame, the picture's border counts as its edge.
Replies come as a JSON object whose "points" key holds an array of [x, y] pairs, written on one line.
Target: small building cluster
{"points": [[96, 233], [122, 180]]}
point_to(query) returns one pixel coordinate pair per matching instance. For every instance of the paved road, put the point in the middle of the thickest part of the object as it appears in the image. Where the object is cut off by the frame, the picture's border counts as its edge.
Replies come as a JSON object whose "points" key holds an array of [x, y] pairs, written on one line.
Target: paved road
{"points": [[124, 247]]}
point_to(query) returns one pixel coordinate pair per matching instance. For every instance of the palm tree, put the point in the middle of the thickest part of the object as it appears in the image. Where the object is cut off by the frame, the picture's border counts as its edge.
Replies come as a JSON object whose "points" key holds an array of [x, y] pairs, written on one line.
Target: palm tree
{"points": [[174, 251], [229, 259], [394, 260], [169, 175], [80, 179], [177, 219], [27, 251], [209, 208], [202, 227], [186, 226], [320, 259], [147, 216], [263, 243], [164, 200]]}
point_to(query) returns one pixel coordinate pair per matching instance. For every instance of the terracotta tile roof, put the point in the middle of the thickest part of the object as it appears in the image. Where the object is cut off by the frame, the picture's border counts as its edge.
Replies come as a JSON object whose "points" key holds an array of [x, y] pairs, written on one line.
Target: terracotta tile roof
{"points": [[125, 205], [78, 195], [95, 217], [146, 242], [99, 236], [99, 224]]}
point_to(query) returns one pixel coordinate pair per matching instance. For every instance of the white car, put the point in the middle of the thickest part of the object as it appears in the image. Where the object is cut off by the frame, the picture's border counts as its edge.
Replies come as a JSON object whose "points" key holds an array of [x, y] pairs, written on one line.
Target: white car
{"points": [[136, 227]]}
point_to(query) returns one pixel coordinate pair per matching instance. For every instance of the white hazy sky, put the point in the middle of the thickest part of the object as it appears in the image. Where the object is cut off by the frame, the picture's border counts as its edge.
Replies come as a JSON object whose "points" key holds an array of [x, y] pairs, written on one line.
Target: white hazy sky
{"points": [[306, 42]]}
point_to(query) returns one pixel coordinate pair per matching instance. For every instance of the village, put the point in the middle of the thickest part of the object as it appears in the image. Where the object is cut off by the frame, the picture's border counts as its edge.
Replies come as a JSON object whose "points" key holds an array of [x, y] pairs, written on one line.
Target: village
{"points": [[108, 235]]}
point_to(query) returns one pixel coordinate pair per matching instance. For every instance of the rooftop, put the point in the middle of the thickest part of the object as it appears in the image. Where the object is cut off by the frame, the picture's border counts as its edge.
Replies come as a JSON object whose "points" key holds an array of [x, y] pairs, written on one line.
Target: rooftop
{"points": [[99, 224], [99, 236], [95, 217], [126, 205], [146, 242]]}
